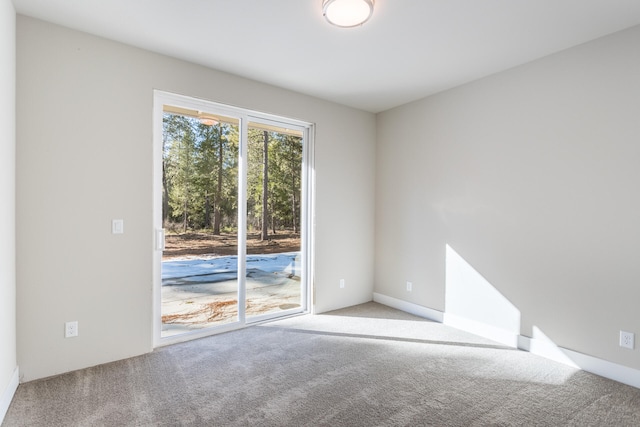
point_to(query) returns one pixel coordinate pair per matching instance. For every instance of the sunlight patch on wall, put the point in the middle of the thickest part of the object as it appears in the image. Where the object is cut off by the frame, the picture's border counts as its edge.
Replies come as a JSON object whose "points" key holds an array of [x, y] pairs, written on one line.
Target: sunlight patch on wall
{"points": [[474, 305]]}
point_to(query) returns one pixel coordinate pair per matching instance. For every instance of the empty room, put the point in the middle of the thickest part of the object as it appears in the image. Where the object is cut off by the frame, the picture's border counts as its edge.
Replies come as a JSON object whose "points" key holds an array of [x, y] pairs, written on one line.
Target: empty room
{"points": [[319, 212]]}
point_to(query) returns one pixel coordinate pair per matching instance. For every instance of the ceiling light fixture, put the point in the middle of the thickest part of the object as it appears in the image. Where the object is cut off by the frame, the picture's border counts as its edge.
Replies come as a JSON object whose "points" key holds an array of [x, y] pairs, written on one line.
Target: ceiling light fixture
{"points": [[207, 120], [347, 13]]}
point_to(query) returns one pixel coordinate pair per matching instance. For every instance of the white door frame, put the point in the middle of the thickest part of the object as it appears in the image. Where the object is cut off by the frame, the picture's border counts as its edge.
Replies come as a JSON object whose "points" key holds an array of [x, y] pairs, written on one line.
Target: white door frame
{"points": [[307, 227]]}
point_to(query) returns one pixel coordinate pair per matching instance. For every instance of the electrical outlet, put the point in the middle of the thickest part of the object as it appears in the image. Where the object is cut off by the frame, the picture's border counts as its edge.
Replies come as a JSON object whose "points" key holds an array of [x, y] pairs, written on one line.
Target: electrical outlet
{"points": [[71, 329], [409, 286], [341, 283], [626, 339]]}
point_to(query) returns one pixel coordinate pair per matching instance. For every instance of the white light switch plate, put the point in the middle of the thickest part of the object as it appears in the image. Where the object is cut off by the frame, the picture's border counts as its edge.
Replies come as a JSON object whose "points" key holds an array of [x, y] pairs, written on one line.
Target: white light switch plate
{"points": [[117, 226]]}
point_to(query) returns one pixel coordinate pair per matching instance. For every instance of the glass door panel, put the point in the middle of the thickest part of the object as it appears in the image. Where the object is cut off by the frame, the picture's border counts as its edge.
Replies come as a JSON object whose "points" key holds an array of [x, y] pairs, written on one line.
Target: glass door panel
{"points": [[274, 182], [200, 218]]}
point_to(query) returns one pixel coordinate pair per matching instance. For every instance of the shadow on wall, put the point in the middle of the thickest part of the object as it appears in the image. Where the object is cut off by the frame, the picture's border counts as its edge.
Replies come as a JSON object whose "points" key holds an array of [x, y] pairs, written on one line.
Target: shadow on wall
{"points": [[475, 305]]}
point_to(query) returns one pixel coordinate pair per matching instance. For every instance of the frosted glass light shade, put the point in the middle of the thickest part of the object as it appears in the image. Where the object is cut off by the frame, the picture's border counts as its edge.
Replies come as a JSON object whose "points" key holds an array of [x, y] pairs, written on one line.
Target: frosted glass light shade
{"points": [[347, 13]]}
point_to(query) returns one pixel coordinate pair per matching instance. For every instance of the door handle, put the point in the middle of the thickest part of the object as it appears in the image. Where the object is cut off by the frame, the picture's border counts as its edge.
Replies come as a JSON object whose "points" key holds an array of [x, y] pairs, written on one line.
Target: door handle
{"points": [[160, 239]]}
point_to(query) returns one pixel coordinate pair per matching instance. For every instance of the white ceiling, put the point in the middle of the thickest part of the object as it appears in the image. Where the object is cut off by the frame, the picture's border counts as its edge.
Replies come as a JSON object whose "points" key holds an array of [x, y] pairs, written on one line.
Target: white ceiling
{"points": [[409, 49]]}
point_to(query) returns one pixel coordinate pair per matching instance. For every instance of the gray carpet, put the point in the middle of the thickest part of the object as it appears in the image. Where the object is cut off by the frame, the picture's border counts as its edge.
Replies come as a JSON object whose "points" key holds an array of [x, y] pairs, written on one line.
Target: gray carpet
{"points": [[367, 365]]}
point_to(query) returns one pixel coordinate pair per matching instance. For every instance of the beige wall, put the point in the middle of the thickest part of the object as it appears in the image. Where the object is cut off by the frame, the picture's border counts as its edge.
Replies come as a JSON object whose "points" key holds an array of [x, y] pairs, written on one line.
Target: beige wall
{"points": [[84, 157], [7, 196], [532, 177]]}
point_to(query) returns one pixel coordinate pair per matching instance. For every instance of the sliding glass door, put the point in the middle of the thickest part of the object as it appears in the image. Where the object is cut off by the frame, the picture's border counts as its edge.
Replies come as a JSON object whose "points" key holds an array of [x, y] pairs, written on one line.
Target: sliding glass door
{"points": [[274, 250], [232, 216]]}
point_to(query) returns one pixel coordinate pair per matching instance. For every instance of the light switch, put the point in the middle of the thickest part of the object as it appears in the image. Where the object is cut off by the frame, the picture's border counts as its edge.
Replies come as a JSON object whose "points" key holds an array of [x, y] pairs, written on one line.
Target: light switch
{"points": [[117, 226]]}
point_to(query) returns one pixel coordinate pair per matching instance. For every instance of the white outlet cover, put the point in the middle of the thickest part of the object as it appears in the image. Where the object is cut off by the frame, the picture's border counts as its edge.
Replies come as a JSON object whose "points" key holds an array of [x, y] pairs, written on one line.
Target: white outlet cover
{"points": [[71, 329], [627, 339]]}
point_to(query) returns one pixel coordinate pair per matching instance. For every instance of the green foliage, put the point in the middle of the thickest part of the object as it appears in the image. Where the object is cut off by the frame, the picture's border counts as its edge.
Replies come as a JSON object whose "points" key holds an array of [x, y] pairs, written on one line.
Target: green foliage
{"points": [[200, 164], [285, 154], [201, 169], [285, 175]]}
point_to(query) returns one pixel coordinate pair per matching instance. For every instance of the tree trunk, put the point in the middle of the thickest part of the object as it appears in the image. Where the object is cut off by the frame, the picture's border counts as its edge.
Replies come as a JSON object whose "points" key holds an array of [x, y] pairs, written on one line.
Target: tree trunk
{"points": [[273, 225], [265, 188], [207, 211], [217, 215], [165, 195], [293, 212], [293, 193], [184, 217]]}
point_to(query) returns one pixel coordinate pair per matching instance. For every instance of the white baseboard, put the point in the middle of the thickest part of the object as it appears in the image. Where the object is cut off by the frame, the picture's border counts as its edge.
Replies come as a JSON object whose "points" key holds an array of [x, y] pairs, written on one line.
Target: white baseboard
{"points": [[9, 392], [546, 349], [408, 307], [604, 368]]}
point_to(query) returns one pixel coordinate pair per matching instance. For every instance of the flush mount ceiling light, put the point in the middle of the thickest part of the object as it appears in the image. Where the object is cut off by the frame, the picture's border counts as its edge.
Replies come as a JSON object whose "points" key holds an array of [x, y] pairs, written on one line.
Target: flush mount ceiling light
{"points": [[347, 13]]}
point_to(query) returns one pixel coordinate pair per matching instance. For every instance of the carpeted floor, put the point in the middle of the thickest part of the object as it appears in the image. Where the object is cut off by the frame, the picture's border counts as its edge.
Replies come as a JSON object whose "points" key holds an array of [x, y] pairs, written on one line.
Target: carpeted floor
{"points": [[367, 365]]}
